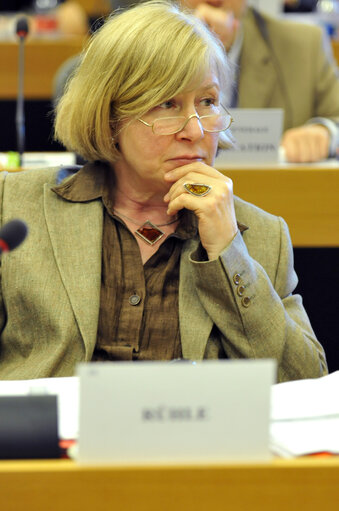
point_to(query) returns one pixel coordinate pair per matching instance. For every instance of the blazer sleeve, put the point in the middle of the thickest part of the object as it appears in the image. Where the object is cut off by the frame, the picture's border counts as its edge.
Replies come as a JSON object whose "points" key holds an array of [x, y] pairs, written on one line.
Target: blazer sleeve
{"points": [[2, 309], [257, 315]]}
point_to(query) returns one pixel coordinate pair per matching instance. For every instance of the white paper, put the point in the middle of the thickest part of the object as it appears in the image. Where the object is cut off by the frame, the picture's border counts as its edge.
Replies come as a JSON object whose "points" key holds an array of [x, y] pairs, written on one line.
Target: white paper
{"points": [[318, 397], [299, 438], [305, 416]]}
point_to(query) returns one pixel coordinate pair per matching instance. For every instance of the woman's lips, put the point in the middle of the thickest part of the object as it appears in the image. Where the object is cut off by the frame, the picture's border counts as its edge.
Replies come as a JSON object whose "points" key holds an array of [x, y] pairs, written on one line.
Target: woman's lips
{"points": [[185, 160]]}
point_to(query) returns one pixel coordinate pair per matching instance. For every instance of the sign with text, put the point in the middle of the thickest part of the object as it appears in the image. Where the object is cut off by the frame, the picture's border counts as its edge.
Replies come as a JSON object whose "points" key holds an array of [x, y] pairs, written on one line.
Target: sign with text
{"points": [[160, 412], [257, 134]]}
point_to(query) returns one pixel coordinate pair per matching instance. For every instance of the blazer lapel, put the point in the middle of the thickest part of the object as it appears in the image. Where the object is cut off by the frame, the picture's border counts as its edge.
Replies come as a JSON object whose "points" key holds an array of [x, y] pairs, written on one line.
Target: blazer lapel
{"points": [[75, 231], [256, 67], [195, 324]]}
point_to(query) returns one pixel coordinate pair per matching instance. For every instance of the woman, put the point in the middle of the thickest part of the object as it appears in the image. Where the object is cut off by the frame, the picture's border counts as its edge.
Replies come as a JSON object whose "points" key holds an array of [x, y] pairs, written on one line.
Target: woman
{"points": [[145, 253]]}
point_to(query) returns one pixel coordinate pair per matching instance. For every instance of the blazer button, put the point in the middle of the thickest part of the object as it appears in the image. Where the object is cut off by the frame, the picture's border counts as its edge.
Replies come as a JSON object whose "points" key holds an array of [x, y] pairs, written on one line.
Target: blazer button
{"points": [[236, 279], [241, 290], [246, 301], [134, 299]]}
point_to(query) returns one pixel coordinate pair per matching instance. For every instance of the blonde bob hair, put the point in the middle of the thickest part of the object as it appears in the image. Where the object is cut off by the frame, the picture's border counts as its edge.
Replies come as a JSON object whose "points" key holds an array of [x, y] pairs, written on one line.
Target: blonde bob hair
{"points": [[138, 59]]}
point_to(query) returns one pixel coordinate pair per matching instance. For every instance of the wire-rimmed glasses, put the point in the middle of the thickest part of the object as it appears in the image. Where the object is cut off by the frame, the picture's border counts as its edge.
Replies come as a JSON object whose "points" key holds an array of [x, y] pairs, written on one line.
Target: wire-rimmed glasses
{"points": [[212, 123]]}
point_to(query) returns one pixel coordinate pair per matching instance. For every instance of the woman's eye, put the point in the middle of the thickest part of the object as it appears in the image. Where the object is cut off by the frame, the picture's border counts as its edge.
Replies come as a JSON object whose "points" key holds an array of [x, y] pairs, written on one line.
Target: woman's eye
{"points": [[208, 102], [166, 105]]}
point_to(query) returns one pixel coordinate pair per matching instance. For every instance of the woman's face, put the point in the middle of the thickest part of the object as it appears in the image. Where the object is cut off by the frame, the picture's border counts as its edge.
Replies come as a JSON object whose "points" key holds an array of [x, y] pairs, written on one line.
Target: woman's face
{"points": [[146, 157]]}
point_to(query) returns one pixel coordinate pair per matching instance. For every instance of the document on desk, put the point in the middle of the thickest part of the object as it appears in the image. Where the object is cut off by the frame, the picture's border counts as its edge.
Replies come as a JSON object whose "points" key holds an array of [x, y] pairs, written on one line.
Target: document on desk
{"points": [[67, 392], [305, 416], [165, 413]]}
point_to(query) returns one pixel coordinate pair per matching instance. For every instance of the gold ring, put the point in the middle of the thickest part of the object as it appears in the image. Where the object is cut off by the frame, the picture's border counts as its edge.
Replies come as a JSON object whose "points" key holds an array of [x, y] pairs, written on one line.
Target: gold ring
{"points": [[197, 189]]}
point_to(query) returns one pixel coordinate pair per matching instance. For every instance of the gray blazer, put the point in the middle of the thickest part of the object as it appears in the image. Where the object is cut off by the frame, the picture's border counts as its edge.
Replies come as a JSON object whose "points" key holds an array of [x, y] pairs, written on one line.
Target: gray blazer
{"points": [[51, 289]]}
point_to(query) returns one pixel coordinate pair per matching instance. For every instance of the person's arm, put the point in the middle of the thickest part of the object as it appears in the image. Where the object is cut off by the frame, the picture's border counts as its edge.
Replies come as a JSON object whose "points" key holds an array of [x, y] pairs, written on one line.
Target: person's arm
{"points": [[273, 322], [2, 308], [318, 138], [265, 320]]}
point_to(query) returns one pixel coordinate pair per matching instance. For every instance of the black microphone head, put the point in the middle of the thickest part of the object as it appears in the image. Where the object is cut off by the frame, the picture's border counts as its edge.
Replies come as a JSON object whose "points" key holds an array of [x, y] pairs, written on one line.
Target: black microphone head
{"points": [[12, 234], [22, 28]]}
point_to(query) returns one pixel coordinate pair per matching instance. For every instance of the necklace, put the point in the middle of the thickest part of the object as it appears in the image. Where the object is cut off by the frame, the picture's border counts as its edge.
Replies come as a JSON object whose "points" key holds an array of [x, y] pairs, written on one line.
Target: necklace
{"points": [[148, 232]]}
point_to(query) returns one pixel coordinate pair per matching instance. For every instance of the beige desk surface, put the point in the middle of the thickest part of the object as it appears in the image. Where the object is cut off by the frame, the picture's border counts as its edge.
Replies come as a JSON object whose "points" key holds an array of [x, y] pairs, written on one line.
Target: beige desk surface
{"points": [[288, 485], [307, 197]]}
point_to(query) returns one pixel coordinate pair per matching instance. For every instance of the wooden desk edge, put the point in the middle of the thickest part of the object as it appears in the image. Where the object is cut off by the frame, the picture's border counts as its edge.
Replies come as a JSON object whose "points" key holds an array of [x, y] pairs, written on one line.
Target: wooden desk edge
{"points": [[63, 465]]}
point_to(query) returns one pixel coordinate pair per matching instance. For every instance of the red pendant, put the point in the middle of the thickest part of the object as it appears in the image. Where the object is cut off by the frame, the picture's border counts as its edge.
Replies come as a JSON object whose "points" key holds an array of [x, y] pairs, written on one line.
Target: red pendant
{"points": [[149, 232]]}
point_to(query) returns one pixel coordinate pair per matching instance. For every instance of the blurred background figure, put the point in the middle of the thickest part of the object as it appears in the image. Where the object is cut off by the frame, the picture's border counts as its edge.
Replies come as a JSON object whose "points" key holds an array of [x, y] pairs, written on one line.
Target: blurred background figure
{"points": [[279, 64], [300, 5], [67, 17]]}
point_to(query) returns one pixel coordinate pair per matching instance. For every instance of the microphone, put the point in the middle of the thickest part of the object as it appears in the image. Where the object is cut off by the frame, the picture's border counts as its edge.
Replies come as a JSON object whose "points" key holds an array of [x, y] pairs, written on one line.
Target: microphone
{"points": [[12, 234], [22, 32]]}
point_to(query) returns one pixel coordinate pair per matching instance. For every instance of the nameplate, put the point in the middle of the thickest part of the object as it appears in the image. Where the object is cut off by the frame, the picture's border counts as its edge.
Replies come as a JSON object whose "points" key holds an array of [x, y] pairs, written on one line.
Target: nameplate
{"points": [[165, 413], [257, 135]]}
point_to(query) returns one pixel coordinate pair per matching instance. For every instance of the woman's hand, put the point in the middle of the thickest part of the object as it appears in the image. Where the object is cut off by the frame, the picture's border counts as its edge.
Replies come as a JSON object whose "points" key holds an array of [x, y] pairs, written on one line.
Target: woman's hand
{"points": [[215, 211]]}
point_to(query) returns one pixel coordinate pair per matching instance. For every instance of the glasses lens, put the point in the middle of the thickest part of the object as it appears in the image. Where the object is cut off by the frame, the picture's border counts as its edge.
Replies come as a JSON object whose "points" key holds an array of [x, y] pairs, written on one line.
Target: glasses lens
{"points": [[215, 123], [168, 125], [211, 123]]}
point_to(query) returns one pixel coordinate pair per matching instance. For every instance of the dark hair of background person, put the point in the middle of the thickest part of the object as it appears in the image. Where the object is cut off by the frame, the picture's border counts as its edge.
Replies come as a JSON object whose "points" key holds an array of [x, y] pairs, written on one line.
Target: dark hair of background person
{"points": [[18, 5], [302, 6]]}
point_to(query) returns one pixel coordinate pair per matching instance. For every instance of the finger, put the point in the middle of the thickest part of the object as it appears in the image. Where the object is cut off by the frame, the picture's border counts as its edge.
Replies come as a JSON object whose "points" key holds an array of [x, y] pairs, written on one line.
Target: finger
{"points": [[305, 149], [220, 184], [218, 199], [322, 144], [290, 145], [199, 167]]}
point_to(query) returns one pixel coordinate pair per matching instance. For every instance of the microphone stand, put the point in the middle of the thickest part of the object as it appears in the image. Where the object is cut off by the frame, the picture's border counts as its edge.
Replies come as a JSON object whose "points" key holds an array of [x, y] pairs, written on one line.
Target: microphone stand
{"points": [[22, 32]]}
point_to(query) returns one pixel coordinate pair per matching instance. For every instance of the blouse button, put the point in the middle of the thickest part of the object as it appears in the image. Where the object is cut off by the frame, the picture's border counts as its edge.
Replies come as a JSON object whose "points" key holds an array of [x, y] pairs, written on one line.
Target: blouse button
{"points": [[236, 279], [241, 290], [134, 299], [246, 301]]}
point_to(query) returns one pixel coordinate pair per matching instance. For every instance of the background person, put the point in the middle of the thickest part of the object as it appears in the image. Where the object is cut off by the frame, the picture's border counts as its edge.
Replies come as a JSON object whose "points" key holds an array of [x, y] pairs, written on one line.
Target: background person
{"points": [[145, 253], [279, 64], [70, 16], [300, 5]]}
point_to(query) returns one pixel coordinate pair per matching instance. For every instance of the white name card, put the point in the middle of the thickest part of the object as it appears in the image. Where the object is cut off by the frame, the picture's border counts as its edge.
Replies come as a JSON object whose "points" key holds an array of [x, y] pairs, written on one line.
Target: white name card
{"points": [[257, 134], [165, 413]]}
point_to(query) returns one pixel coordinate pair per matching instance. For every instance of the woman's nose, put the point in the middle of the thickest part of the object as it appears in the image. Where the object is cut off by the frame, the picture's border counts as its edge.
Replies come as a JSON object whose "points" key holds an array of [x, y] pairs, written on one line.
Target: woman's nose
{"points": [[192, 128]]}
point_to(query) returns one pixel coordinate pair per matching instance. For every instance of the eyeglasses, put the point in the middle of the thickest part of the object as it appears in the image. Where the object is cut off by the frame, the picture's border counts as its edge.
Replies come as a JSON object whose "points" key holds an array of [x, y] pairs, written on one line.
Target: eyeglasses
{"points": [[214, 123]]}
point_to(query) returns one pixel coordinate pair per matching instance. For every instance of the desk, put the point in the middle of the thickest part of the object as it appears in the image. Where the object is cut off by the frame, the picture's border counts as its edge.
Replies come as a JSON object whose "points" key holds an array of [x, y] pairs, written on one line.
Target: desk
{"points": [[96, 7], [305, 196], [42, 59], [335, 46], [292, 485]]}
